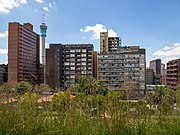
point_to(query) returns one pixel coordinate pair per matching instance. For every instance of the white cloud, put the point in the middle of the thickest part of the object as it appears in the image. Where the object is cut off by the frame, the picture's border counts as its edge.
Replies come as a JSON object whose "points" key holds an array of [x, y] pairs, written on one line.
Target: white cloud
{"points": [[165, 60], [3, 51], [22, 1], [46, 9], [39, 1], [96, 29], [4, 34], [168, 52], [4, 62], [166, 48], [50, 5], [7, 5]]}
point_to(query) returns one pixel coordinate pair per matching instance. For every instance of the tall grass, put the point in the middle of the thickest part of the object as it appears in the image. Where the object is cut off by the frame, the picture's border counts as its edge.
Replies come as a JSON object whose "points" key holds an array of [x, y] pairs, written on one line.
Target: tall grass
{"points": [[86, 115]]}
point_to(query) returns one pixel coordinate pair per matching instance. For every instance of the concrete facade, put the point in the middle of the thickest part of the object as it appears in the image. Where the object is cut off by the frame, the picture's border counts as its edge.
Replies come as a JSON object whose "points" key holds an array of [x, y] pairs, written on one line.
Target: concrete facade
{"points": [[67, 62], [108, 44], [149, 76], [124, 68], [156, 66]]}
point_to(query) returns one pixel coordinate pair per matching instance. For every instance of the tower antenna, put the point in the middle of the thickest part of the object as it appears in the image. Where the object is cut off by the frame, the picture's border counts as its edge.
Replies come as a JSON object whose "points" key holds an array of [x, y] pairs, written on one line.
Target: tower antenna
{"points": [[43, 19]]}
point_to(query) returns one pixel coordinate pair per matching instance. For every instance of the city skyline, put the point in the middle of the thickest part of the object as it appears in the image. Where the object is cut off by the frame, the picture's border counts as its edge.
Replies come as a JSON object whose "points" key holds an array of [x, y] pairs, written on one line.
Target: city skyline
{"points": [[153, 25]]}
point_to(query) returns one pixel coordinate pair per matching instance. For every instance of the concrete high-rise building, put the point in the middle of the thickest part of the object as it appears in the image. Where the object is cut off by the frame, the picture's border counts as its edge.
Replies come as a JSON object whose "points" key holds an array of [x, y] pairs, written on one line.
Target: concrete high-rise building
{"points": [[103, 42], [149, 76], [113, 43], [108, 44], [164, 74], [173, 74], [156, 66], [43, 28], [3, 74], [67, 62], [23, 52], [124, 68]]}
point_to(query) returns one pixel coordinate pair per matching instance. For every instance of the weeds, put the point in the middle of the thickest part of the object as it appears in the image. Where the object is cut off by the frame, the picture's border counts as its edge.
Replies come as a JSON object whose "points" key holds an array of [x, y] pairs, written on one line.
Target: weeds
{"points": [[85, 114]]}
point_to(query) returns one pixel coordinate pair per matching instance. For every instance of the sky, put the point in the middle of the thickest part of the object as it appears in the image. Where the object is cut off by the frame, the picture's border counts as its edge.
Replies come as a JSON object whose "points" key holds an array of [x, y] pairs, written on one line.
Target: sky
{"points": [[150, 24]]}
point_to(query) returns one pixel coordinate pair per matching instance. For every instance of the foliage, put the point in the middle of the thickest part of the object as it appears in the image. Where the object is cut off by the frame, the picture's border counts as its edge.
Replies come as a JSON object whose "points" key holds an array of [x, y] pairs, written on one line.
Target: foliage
{"points": [[164, 98], [91, 113], [23, 87], [42, 88], [114, 97], [29, 98], [61, 101], [177, 96], [90, 85], [4, 87], [80, 100], [75, 116]]}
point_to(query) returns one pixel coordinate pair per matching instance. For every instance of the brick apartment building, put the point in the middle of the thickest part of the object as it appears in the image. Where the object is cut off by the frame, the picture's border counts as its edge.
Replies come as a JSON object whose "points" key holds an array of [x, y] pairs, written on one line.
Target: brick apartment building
{"points": [[23, 53], [173, 74]]}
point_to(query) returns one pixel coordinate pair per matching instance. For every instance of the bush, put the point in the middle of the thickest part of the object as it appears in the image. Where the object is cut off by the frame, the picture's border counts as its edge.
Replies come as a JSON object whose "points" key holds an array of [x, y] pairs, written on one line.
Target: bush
{"points": [[29, 98], [23, 87], [61, 101]]}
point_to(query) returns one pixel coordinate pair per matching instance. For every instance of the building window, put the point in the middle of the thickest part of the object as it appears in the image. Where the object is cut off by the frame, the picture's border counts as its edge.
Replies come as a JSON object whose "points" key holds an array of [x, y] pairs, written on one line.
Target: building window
{"points": [[72, 68], [66, 63], [83, 55], [83, 50], [78, 50], [83, 59], [72, 50], [72, 55]]}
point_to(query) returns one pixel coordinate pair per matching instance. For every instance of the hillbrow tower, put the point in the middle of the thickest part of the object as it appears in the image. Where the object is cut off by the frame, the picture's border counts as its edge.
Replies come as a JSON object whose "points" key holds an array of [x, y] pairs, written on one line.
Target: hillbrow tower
{"points": [[43, 28]]}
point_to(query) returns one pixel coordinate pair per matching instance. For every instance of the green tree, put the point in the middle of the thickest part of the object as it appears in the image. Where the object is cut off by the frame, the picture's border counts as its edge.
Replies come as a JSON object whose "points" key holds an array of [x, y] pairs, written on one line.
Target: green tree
{"points": [[87, 85], [23, 87], [90, 85], [164, 98], [113, 97], [102, 88]]}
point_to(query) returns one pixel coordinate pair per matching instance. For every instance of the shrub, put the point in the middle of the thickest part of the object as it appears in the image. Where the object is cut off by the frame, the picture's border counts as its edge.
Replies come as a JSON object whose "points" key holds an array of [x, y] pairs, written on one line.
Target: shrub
{"points": [[61, 101], [29, 98], [23, 87]]}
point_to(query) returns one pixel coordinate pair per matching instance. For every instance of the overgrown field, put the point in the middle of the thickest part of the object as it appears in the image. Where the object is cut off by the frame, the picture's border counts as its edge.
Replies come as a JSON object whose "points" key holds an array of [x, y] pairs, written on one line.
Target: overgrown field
{"points": [[94, 110], [86, 115]]}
